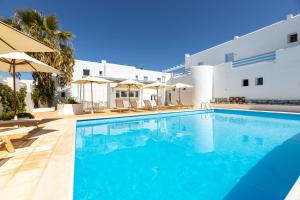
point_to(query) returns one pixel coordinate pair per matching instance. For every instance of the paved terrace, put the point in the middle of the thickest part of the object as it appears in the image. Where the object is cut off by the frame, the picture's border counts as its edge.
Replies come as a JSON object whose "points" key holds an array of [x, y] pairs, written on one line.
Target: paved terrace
{"points": [[42, 166]]}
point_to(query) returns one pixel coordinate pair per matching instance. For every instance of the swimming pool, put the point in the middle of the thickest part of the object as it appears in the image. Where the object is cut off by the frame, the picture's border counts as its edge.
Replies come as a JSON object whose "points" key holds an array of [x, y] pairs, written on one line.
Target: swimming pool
{"points": [[188, 155]]}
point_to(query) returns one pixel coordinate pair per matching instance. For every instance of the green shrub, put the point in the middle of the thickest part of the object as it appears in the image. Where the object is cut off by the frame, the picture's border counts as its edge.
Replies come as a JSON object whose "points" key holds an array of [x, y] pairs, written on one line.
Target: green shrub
{"points": [[69, 101], [10, 115], [7, 99]]}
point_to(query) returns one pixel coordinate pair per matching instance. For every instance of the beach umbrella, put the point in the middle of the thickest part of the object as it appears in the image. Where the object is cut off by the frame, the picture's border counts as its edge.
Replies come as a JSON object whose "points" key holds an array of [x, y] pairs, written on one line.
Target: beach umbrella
{"points": [[91, 80], [21, 62], [130, 84], [156, 86], [12, 40], [181, 86]]}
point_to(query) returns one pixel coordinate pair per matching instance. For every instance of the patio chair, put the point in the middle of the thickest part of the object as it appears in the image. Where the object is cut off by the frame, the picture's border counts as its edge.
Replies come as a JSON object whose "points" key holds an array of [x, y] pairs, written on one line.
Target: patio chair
{"points": [[134, 105], [160, 105], [19, 133], [21, 122], [181, 105], [120, 106], [148, 105]]}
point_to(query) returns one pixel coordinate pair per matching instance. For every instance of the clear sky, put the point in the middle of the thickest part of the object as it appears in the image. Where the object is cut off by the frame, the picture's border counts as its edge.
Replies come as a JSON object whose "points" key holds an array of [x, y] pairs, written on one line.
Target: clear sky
{"points": [[154, 34]]}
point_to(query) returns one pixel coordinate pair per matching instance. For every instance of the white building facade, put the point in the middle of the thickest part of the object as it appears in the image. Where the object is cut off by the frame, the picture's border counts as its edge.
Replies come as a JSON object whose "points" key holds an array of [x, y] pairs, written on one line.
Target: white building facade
{"points": [[264, 64], [105, 94]]}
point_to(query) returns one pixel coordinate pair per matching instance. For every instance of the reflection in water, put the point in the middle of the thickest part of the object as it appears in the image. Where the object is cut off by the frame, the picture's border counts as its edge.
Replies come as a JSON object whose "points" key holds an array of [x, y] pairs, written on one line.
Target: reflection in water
{"points": [[194, 135]]}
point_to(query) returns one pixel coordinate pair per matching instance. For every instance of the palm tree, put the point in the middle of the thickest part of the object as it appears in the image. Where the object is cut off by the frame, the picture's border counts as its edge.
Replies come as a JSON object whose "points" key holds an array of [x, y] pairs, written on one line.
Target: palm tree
{"points": [[46, 29]]}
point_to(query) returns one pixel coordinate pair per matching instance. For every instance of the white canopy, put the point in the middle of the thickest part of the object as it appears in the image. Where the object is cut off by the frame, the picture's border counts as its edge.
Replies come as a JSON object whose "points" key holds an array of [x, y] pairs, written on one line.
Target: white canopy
{"points": [[130, 84], [158, 85], [12, 40], [23, 63], [91, 79], [181, 85]]}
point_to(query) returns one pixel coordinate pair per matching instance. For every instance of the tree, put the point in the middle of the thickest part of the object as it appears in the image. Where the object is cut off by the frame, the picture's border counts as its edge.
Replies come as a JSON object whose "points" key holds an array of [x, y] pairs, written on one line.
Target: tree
{"points": [[46, 29]]}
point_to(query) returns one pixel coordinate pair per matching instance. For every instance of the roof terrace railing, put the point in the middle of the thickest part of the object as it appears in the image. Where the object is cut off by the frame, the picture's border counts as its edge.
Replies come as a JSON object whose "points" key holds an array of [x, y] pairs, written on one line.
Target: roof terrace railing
{"points": [[270, 56]]}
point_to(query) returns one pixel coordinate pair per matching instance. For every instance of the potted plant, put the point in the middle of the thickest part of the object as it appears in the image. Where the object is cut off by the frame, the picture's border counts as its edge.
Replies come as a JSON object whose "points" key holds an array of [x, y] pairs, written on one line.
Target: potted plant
{"points": [[69, 107]]}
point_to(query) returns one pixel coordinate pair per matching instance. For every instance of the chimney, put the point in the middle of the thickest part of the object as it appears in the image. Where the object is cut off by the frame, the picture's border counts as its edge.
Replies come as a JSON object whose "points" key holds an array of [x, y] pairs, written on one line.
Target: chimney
{"points": [[290, 16], [236, 37], [103, 61]]}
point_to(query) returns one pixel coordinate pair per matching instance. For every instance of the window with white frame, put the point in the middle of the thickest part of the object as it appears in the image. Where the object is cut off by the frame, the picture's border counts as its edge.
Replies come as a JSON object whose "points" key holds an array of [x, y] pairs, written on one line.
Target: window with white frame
{"points": [[159, 79], [229, 57], [136, 77], [124, 94], [100, 73], [86, 72], [136, 94], [245, 82], [292, 38], [146, 78], [259, 81]]}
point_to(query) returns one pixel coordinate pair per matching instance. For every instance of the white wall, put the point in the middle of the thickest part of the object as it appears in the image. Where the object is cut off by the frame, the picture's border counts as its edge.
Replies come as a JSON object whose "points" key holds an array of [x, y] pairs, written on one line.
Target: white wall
{"points": [[281, 78], [267, 39]]}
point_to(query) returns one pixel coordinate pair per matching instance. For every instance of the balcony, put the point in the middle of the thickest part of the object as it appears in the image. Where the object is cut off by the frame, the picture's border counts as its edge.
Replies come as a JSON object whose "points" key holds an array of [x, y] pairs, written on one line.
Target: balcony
{"points": [[270, 56]]}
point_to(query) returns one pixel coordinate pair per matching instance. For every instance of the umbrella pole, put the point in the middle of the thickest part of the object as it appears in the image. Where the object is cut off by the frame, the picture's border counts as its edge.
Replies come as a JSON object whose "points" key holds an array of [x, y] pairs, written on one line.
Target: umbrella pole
{"points": [[179, 95], [129, 96], [157, 97], [15, 96], [92, 98]]}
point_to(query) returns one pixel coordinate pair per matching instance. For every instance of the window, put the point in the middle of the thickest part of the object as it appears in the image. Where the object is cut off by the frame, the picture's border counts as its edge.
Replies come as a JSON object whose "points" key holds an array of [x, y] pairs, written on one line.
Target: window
{"points": [[159, 79], [292, 38], [136, 94], [259, 81], [123, 94], [245, 82], [117, 94], [153, 97], [201, 63], [145, 78], [131, 94], [63, 94], [86, 72], [100, 73], [229, 57], [136, 77]]}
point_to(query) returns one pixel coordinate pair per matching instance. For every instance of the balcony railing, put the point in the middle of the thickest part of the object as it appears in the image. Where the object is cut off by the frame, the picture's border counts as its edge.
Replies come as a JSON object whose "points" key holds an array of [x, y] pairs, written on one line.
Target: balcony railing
{"points": [[270, 56]]}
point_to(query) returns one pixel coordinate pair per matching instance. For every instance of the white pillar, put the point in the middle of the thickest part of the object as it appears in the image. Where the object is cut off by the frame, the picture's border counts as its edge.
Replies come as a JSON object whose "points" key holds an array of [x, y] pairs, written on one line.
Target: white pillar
{"points": [[203, 84]]}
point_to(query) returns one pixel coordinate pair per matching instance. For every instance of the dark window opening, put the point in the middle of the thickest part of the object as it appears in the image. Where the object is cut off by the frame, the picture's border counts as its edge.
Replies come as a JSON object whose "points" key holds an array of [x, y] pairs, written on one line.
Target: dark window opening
{"points": [[86, 72], [245, 83], [293, 38], [259, 81]]}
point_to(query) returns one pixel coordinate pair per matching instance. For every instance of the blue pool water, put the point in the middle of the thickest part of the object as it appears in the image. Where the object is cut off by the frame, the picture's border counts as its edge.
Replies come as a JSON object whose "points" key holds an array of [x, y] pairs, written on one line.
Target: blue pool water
{"points": [[195, 155]]}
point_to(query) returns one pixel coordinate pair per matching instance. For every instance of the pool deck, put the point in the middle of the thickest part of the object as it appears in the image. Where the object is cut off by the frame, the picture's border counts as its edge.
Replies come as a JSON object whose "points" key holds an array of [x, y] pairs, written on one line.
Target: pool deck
{"points": [[43, 166]]}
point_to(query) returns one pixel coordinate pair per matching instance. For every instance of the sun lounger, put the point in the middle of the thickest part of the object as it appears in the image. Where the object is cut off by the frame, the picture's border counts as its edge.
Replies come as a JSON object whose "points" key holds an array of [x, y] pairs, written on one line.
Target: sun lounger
{"points": [[181, 105], [161, 106], [133, 105], [120, 106], [20, 122], [18, 133], [148, 105]]}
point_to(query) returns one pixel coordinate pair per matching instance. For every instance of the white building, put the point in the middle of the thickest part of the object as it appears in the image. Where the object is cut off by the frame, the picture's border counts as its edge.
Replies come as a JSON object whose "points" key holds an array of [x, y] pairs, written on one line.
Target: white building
{"points": [[264, 64], [106, 94]]}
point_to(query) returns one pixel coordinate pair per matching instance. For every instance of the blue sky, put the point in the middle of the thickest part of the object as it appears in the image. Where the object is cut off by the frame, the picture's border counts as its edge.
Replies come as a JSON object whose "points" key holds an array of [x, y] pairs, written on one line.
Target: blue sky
{"points": [[154, 34]]}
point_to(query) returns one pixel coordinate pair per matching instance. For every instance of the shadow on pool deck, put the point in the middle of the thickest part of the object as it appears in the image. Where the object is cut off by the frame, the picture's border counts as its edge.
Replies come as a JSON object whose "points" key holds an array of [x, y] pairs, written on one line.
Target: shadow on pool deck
{"points": [[273, 176]]}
